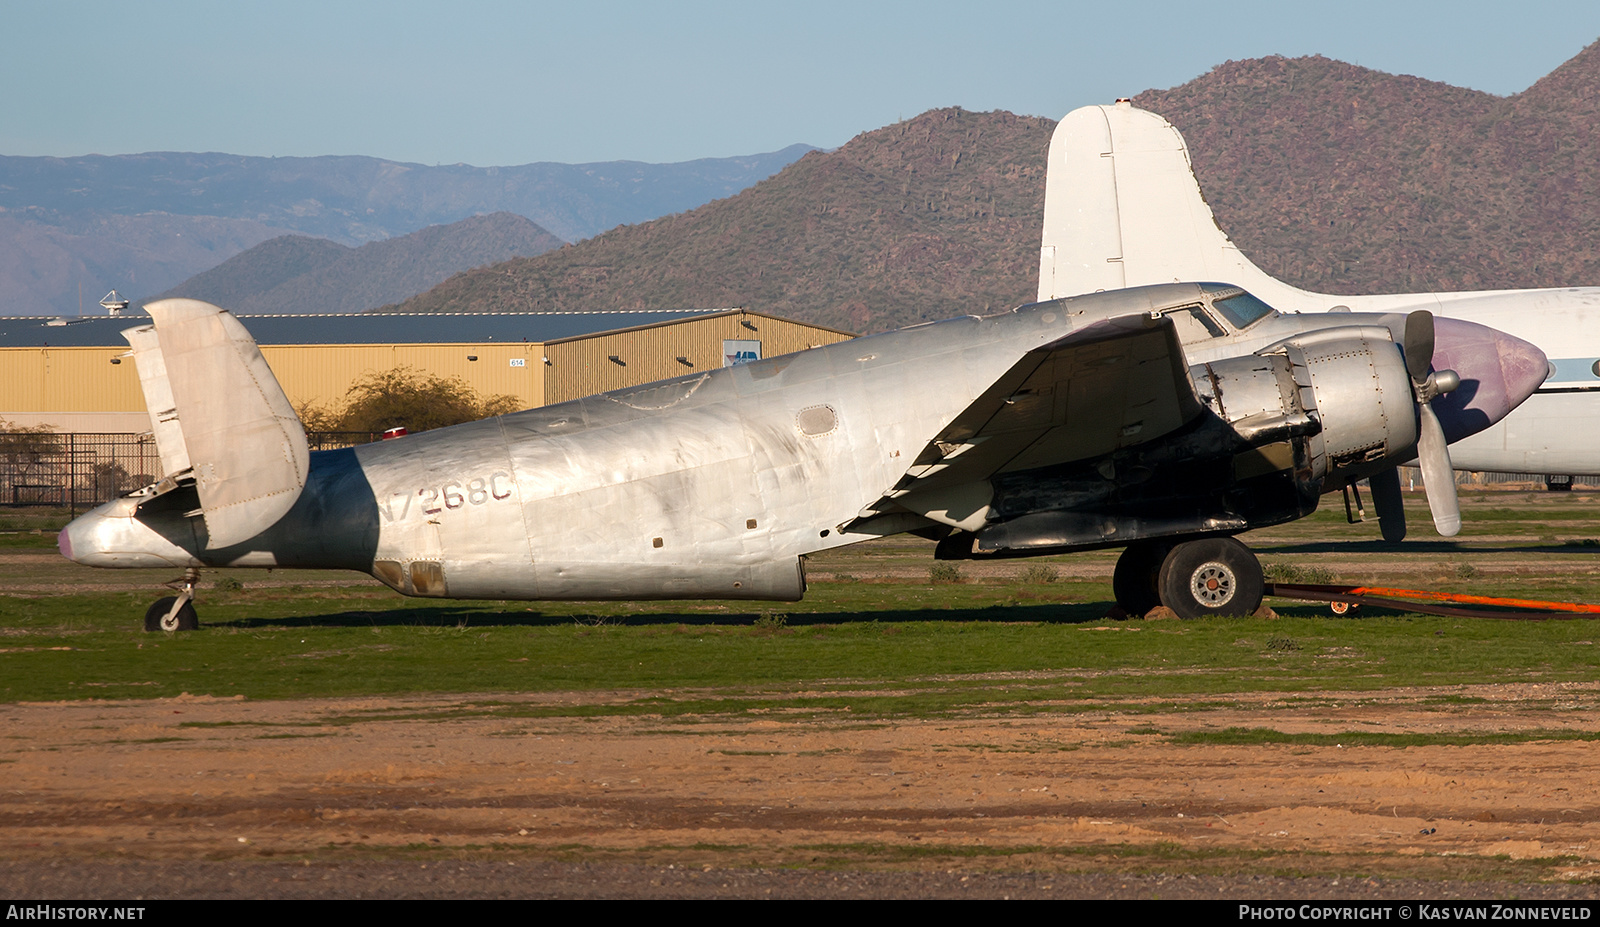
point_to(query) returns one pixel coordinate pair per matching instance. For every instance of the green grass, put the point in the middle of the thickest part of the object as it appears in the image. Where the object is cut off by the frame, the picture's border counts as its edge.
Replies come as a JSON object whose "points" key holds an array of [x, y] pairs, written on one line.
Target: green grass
{"points": [[1003, 640], [367, 643]]}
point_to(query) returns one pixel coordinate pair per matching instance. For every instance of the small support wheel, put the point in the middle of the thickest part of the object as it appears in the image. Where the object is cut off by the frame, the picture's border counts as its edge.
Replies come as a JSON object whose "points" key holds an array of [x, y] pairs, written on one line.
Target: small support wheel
{"points": [[1136, 580], [1342, 608], [160, 616], [1211, 576]]}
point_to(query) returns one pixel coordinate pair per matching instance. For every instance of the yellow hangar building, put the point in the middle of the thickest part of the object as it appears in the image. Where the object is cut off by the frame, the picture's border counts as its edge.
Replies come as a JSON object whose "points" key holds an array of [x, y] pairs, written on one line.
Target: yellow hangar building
{"points": [[69, 374], [70, 378]]}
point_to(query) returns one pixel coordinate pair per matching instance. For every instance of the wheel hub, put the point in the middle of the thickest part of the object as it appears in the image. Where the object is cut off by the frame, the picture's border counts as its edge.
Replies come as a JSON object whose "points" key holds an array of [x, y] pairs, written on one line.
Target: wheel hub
{"points": [[1213, 584]]}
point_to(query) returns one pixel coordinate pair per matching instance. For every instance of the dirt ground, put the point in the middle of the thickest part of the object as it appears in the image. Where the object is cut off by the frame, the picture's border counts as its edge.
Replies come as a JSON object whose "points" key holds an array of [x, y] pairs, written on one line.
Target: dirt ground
{"points": [[202, 778]]}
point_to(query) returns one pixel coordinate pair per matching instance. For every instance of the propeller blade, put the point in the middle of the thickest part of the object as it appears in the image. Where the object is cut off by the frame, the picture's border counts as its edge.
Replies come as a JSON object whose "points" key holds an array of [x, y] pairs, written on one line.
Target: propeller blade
{"points": [[1419, 344], [1433, 456], [1391, 507]]}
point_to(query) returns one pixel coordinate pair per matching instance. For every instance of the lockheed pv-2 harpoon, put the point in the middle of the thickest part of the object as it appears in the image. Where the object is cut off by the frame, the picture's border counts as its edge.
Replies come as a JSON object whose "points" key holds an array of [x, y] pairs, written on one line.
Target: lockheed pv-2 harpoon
{"points": [[1163, 419]]}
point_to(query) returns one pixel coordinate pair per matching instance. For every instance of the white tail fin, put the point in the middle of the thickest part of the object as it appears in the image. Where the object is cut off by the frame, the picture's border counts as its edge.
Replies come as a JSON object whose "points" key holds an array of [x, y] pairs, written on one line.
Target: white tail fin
{"points": [[219, 417], [1122, 208]]}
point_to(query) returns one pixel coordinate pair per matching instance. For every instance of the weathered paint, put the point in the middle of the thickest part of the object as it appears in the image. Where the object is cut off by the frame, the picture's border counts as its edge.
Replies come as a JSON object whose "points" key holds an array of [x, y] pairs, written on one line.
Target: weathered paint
{"points": [[709, 484]]}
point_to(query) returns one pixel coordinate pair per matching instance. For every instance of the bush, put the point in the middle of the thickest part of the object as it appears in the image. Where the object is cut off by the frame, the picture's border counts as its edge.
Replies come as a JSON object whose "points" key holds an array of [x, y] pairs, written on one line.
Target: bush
{"points": [[405, 396], [944, 573], [1296, 574]]}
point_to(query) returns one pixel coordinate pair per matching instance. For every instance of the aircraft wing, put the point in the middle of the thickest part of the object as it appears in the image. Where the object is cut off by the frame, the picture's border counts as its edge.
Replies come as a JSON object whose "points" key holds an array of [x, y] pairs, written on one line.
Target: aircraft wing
{"points": [[1110, 385]]}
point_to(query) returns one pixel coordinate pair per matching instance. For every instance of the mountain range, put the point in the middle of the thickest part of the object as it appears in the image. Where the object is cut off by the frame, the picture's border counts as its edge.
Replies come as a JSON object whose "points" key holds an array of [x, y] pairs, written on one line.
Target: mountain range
{"points": [[924, 219], [298, 273], [1346, 180], [1331, 176], [144, 223]]}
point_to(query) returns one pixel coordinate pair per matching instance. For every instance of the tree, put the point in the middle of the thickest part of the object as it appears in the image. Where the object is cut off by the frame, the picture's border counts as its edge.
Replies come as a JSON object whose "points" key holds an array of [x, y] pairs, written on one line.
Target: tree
{"points": [[23, 446], [405, 396]]}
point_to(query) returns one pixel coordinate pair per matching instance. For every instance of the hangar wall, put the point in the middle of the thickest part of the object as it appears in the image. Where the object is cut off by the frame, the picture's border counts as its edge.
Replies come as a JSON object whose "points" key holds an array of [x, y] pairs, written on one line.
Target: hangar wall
{"points": [[580, 367], [323, 373], [81, 389], [91, 388]]}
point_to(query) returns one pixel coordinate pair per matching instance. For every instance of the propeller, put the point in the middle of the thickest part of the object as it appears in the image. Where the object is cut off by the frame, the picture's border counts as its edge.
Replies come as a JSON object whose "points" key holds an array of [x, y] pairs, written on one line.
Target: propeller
{"points": [[1391, 508], [1433, 452]]}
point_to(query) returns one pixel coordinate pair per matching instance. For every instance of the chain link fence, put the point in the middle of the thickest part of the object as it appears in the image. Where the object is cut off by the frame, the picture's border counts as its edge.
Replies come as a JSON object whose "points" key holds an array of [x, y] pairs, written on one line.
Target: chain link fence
{"points": [[80, 471], [1411, 478]]}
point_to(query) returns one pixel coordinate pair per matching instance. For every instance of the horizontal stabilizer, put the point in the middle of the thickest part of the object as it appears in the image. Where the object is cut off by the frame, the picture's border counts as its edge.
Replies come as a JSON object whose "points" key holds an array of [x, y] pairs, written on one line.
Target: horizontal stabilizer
{"points": [[218, 412]]}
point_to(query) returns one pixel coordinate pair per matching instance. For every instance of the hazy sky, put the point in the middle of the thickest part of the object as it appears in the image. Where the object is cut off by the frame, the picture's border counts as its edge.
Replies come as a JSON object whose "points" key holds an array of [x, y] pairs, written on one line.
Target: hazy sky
{"points": [[513, 82]]}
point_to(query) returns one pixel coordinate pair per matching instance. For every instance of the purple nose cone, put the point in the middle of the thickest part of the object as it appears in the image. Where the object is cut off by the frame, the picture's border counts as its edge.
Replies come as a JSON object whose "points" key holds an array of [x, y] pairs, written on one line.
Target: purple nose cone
{"points": [[1497, 373], [64, 544]]}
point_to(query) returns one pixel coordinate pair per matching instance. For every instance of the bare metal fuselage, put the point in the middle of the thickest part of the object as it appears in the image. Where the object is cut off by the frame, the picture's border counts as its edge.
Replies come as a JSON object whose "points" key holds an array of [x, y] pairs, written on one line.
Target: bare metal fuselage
{"points": [[708, 485]]}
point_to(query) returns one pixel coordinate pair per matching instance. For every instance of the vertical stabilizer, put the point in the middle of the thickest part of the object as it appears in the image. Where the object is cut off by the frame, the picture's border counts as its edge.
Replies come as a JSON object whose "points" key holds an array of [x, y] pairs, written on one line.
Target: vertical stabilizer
{"points": [[219, 417], [1081, 250], [1122, 207]]}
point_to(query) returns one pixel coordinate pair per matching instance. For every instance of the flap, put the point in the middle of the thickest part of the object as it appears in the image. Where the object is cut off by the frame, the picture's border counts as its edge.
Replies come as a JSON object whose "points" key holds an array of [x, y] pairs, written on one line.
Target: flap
{"points": [[1110, 385]]}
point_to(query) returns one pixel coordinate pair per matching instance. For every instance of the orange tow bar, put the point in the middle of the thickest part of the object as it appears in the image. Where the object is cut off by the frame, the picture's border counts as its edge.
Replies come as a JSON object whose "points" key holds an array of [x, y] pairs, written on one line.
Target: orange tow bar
{"points": [[1433, 603]]}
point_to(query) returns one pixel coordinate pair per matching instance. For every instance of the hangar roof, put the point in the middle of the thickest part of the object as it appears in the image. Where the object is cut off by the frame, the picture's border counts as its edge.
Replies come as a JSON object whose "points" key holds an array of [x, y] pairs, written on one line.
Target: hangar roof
{"points": [[355, 328]]}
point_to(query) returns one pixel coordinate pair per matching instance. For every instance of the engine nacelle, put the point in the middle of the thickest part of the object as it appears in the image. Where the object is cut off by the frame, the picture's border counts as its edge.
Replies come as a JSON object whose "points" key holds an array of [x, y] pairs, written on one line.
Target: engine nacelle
{"points": [[1344, 391], [1354, 381]]}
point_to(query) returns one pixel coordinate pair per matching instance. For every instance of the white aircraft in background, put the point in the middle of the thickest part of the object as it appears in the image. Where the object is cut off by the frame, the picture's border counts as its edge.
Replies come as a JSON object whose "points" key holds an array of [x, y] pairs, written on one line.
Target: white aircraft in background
{"points": [[1123, 209]]}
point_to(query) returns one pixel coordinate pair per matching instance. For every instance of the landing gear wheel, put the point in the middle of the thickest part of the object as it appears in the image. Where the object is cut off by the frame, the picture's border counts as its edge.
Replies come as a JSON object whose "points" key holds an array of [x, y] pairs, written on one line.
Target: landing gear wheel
{"points": [[159, 616], [1136, 580], [1342, 608], [1214, 576]]}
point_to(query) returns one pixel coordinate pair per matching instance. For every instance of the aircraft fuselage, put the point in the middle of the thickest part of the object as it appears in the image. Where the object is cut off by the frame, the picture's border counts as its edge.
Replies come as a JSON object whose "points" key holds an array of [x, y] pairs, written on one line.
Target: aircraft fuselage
{"points": [[713, 484]]}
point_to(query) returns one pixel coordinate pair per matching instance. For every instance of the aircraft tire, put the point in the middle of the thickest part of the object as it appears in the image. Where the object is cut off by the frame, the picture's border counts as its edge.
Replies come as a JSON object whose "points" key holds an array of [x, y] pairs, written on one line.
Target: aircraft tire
{"points": [[1136, 581], [185, 620], [1212, 576]]}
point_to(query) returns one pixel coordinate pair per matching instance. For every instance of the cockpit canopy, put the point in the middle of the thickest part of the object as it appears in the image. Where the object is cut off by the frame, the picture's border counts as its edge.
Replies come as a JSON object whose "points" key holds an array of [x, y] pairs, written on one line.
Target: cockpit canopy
{"points": [[1239, 307], [1222, 311]]}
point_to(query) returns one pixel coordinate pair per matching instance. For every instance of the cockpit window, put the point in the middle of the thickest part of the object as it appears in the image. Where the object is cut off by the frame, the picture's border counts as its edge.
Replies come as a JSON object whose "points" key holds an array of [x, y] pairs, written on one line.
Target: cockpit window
{"points": [[1242, 310], [1194, 324]]}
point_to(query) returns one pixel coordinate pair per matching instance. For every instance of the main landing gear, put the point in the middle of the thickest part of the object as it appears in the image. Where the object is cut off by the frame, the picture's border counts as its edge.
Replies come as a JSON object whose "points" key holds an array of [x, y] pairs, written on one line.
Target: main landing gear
{"points": [[1209, 576], [175, 612]]}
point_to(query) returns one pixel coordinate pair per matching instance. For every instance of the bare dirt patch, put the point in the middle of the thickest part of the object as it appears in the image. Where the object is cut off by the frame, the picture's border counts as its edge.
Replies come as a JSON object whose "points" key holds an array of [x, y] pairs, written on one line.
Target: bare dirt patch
{"points": [[1086, 791]]}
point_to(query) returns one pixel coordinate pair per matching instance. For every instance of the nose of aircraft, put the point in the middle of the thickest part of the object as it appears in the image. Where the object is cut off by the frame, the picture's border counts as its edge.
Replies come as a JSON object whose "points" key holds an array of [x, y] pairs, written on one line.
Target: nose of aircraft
{"points": [[1498, 371], [110, 536], [84, 538]]}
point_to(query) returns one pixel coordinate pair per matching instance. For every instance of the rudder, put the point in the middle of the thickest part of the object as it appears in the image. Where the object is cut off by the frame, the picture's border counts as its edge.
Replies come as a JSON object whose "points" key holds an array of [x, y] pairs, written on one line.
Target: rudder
{"points": [[220, 418]]}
